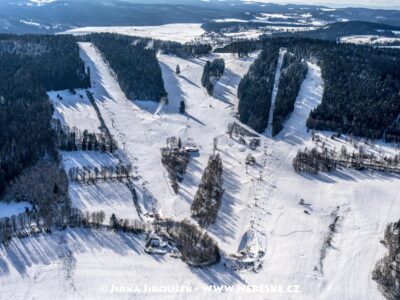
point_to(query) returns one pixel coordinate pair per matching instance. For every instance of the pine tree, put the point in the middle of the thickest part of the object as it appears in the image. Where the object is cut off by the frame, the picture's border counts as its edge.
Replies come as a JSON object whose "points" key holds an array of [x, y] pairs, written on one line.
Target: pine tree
{"points": [[387, 270], [114, 222], [182, 107], [208, 198]]}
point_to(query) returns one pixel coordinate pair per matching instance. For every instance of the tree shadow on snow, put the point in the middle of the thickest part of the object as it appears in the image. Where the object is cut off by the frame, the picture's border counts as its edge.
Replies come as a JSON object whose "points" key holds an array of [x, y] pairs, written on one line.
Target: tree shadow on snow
{"points": [[97, 82], [347, 174], [45, 249], [189, 81], [226, 223], [222, 86], [173, 88], [218, 275], [194, 167]]}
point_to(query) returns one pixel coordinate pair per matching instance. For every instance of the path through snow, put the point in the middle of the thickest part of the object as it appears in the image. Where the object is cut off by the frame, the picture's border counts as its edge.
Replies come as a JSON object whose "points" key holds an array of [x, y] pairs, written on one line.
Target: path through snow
{"points": [[282, 52]]}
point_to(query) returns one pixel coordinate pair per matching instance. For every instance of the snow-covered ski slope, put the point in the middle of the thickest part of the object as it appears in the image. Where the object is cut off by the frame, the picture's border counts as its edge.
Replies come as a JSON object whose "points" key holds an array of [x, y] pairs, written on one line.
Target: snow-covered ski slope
{"points": [[75, 110], [142, 128], [282, 53], [365, 203], [109, 197], [97, 264], [292, 213]]}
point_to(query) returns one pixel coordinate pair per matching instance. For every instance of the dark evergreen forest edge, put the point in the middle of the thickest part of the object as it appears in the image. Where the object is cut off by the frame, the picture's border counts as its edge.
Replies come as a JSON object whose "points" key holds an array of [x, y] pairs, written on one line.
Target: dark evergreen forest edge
{"points": [[332, 31], [135, 63], [136, 67], [294, 71], [212, 71], [361, 86], [339, 29], [30, 65], [255, 89]]}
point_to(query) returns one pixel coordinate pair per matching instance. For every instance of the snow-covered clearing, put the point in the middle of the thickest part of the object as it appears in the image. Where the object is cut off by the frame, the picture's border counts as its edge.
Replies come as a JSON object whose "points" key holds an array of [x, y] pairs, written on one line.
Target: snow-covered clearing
{"points": [[256, 33], [291, 28], [292, 19], [230, 20], [180, 32], [108, 196], [75, 110], [245, 34], [93, 159], [35, 24], [189, 32], [13, 208], [368, 39]]}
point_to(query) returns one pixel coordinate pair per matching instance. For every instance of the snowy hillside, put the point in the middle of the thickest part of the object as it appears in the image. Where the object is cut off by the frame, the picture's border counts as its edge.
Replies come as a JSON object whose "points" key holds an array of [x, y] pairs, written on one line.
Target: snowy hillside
{"points": [[207, 117], [369, 39], [178, 32], [74, 110], [320, 233]]}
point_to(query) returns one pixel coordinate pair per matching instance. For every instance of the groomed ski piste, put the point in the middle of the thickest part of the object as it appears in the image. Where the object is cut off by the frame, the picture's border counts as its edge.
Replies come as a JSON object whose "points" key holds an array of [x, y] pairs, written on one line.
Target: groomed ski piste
{"points": [[288, 214]]}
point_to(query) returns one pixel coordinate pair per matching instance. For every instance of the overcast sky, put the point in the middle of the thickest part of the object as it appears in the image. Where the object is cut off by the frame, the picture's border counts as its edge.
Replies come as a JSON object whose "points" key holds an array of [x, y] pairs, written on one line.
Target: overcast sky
{"points": [[388, 4]]}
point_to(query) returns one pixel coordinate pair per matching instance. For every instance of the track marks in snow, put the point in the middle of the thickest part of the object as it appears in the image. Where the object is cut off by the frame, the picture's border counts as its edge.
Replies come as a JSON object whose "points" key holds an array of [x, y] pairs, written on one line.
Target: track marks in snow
{"points": [[264, 186], [68, 265]]}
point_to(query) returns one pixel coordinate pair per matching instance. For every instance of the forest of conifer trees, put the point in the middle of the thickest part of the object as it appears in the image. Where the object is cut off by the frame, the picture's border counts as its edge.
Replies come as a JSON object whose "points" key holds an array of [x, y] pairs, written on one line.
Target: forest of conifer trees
{"points": [[207, 200], [135, 65], [255, 90], [294, 71], [212, 70], [30, 65], [361, 87]]}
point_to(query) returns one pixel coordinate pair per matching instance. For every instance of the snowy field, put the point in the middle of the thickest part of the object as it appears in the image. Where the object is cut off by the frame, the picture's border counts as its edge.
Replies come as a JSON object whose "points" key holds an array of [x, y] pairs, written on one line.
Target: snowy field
{"points": [[82, 159], [293, 213], [96, 264], [184, 32], [75, 110], [368, 39], [107, 196], [189, 32]]}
